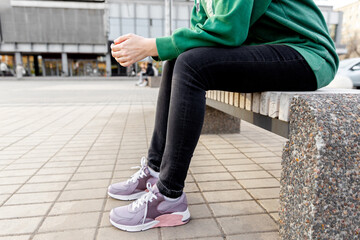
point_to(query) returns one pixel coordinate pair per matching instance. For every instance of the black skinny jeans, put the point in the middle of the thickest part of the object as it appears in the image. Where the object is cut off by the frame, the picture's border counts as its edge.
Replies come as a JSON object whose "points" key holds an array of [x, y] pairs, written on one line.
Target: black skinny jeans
{"points": [[181, 101]]}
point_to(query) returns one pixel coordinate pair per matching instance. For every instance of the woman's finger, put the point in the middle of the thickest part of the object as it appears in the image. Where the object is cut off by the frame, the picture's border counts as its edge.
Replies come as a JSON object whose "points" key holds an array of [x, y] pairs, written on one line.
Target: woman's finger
{"points": [[126, 64], [116, 48], [122, 38], [116, 54], [122, 59]]}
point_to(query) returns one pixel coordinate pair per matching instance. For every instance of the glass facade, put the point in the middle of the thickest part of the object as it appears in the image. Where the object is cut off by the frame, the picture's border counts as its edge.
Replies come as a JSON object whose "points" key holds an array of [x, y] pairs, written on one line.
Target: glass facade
{"points": [[145, 19]]}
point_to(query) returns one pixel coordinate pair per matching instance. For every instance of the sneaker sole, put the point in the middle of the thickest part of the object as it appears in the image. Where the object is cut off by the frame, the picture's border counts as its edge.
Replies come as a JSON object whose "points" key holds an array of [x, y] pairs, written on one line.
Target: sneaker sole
{"points": [[166, 220], [133, 196]]}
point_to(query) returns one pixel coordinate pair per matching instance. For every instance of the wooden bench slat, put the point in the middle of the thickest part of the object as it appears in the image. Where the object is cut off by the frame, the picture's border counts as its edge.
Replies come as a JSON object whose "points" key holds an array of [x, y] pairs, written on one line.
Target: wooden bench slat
{"points": [[256, 102], [274, 104], [236, 99], [242, 100], [226, 96], [231, 98], [264, 103], [248, 101]]}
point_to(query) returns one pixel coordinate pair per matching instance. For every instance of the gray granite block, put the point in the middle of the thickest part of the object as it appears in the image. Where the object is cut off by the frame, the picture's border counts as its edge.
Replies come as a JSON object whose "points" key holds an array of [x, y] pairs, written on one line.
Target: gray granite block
{"points": [[217, 122], [320, 181], [154, 82]]}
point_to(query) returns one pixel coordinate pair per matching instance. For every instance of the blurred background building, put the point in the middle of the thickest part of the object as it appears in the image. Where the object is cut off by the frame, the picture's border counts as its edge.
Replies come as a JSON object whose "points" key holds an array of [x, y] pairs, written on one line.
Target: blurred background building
{"points": [[351, 28], [72, 38], [54, 38], [334, 20]]}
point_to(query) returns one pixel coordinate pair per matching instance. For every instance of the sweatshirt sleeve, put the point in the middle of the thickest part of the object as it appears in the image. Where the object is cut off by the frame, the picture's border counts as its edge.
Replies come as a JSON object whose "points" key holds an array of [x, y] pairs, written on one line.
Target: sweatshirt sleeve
{"points": [[227, 24]]}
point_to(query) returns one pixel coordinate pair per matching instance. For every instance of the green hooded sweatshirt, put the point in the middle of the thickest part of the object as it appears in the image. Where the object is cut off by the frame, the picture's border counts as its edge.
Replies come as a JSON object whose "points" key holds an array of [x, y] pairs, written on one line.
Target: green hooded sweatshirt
{"points": [[296, 23]]}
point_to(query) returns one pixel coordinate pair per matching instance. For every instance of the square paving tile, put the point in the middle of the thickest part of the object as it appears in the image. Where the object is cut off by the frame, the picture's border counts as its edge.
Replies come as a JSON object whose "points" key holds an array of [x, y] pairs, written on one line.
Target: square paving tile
{"points": [[202, 157], [271, 166], [92, 176], [19, 225], [191, 187], [275, 173], [81, 206], [247, 224], [253, 149], [194, 229], [219, 185], [111, 233], [8, 189], [83, 234], [259, 183], [57, 170], [229, 162], [267, 159], [224, 151], [87, 184], [105, 222], [88, 169], [205, 163], [263, 193], [224, 196], [194, 198], [20, 237], [82, 194], [212, 177], [113, 203], [21, 211], [199, 211], [243, 168], [235, 208], [14, 166], [18, 172], [42, 187], [67, 222], [256, 236], [227, 156], [208, 169], [24, 198], [275, 216], [13, 180], [251, 175], [50, 178], [271, 205]]}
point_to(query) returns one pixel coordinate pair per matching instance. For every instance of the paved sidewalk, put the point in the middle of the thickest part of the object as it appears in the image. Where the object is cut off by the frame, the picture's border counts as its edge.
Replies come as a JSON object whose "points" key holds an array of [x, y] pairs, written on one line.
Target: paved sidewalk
{"points": [[63, 143]]}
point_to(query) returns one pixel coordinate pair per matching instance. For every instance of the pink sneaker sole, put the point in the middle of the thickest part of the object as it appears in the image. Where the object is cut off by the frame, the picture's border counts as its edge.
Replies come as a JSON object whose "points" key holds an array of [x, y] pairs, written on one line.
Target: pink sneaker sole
{"points": [[166, 220]]}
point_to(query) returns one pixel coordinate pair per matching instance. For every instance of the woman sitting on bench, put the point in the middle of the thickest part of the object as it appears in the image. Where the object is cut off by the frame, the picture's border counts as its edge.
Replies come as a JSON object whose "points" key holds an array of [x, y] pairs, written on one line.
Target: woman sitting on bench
{"points": [[232, 45]]}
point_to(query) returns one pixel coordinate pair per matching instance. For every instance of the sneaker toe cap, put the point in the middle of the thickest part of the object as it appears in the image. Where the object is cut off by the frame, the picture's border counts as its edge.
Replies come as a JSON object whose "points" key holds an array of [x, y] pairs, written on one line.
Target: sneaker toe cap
{"points": [[120, 215], [121, 188]]}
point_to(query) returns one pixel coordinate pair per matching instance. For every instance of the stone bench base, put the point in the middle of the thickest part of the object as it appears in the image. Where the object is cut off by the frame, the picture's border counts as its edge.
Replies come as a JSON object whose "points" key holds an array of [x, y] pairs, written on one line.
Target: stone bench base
{"points": [[154, 82], [217, 122], [320, 181]]}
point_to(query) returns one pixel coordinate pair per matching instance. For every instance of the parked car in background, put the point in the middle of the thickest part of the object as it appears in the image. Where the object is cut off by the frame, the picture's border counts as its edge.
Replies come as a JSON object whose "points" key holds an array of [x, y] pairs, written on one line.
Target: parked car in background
{"points": [[350, 68]]}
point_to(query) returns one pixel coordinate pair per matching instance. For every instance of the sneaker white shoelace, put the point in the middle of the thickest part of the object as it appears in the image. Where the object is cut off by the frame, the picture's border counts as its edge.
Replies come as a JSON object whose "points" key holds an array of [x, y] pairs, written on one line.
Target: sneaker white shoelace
{"points": [[148, 197], [139, 174]]}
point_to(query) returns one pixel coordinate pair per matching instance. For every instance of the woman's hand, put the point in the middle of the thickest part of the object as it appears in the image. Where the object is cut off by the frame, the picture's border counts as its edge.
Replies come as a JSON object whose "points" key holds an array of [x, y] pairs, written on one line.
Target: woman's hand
{"points": [[131, 48]]}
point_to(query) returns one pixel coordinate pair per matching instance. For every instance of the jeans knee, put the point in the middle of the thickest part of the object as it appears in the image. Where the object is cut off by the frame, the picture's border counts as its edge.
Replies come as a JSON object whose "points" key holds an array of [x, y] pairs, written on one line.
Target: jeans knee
{"points": [[188, 59], [187, 69]]}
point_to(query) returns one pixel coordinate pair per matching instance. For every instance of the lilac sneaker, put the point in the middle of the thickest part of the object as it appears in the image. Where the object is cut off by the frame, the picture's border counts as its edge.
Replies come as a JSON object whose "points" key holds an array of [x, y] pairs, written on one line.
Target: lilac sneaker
{"points": [[150, 211], [134, 187]]}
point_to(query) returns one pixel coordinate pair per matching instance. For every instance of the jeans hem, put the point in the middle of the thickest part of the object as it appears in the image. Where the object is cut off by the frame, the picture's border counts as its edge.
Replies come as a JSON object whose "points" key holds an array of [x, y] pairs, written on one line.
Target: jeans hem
{"points": [[153, 167], [168, 192]]}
